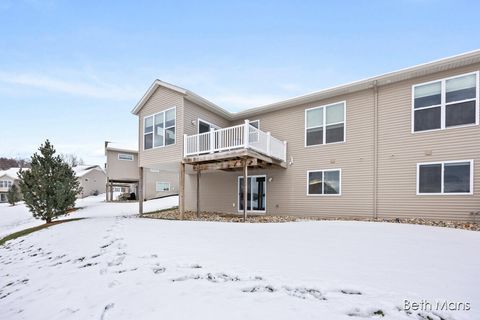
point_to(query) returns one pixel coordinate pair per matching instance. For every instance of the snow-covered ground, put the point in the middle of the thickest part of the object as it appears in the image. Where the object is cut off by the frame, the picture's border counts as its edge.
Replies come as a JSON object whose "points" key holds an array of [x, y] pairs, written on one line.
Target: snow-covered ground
{"points": [[16, 218], [131, 268]]}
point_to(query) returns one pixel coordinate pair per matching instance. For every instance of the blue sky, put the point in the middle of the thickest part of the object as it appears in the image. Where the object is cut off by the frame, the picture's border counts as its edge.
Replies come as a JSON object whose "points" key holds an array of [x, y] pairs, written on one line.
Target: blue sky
{"points": [[72, 71]]}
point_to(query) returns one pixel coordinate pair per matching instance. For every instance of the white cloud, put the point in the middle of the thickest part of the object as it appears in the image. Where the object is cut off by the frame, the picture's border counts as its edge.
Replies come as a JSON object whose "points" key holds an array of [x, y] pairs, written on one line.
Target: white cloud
{"points": [[78, 88]]}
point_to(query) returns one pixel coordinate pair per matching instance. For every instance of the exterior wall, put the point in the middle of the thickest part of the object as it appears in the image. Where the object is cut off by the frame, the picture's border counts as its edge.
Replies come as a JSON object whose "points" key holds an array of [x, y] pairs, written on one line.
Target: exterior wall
{"points": [[193, 112], [92, 182], [287, 192], [4, 191], [160, 100], [122, 169], [400, 151], [7, 178], [151, 179]]}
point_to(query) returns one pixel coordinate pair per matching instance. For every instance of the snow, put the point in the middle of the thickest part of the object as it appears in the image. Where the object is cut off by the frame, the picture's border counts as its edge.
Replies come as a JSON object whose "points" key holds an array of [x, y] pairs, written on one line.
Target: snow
{"points": [[16, 218], [124, 267], [82, 170], [11, 173]]}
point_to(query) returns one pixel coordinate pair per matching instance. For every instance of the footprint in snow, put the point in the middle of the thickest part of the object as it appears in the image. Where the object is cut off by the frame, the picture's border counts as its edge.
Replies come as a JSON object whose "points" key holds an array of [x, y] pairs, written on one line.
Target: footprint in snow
{"points": [[349, 291], [304, 293], [357, 312], [105, 309], [266, 288], [158, 269]]}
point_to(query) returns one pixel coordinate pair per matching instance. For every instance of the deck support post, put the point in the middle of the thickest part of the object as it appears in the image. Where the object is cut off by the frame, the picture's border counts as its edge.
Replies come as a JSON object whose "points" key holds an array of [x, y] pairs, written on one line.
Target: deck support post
{"points": [[199, 172], [181, 192], [140, 191], [111, 191], [245, 189], [106, 191]]}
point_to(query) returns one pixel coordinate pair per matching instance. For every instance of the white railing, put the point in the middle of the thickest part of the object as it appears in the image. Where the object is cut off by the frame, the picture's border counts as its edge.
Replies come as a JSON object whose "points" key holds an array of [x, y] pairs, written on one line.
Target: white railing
{"points": [[243, 136]]}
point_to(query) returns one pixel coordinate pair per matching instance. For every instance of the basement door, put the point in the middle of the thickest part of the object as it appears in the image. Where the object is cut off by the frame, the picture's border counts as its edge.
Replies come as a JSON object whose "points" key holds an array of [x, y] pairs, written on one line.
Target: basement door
{"points": [[256, 193]]}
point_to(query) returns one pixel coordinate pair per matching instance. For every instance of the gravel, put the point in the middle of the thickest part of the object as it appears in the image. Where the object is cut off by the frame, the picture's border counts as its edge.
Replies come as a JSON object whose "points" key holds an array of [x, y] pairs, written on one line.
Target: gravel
{"points": [[174, 214]]}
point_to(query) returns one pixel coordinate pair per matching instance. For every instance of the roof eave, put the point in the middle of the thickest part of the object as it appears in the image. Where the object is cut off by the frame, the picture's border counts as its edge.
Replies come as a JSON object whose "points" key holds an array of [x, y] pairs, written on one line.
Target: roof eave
{"points": [[384, 79], [157, 83], [432, 67]]}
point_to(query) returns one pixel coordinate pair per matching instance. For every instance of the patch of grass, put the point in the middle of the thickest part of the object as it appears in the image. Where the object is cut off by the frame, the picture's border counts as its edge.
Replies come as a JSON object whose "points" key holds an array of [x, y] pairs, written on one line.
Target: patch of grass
{"points": [[25, 232]]}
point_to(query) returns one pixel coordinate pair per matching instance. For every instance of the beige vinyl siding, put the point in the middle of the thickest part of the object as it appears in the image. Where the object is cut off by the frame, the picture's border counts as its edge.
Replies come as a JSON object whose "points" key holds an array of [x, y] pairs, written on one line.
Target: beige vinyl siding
{"points": [[193, 112], [287, 193], [92, 182], [121, 169], [151, 179], [400, 151], [160, 100]]}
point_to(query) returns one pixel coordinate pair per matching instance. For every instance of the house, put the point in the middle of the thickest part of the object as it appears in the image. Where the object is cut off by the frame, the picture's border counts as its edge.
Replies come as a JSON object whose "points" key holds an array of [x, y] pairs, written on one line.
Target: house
{"points": [[8, 178], [123, 175], [92, 180], [403, 144]]}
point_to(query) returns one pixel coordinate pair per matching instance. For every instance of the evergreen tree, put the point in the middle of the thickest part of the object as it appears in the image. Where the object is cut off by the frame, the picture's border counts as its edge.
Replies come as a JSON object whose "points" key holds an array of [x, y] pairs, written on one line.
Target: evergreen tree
{"points": [[12, 195], [50, 187]]}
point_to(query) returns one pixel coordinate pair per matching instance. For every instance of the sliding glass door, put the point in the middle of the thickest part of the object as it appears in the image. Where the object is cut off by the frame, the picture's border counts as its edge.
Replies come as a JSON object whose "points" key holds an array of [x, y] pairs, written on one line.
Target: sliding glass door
{"points": [[256, 193]]}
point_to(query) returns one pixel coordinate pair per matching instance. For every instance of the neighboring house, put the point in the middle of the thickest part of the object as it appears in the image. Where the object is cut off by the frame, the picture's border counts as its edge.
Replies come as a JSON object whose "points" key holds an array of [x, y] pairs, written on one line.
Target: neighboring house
{"points": [[403, 144], [123, 175], [7, 179], [92, 180]]}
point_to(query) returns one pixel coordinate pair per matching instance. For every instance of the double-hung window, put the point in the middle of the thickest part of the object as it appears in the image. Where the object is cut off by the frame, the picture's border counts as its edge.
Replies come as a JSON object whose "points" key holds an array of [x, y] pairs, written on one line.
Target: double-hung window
{"points": [[448, 177], [446, 103], [324, 182], [325, 124], [159, 129]]}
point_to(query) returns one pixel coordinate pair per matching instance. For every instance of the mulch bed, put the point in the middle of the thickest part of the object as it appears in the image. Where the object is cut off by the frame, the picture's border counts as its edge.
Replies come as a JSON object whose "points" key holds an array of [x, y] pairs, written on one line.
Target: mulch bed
{"points": [[174, 214]]}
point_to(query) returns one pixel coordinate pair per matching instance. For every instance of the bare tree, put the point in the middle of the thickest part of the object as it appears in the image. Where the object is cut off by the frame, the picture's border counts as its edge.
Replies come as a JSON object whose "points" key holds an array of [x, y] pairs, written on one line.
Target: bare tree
{"points": [[72, 159], [7, 163]]}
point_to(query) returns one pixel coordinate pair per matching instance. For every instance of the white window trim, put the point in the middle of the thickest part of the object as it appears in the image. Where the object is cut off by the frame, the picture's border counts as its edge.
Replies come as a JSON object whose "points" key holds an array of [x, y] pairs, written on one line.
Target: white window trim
{"points": [[257, 120], [212, 125], [442, 193], [323, 174], [126, 154], [443, 103], [324, 125], [164, 129], [6, 184], [160, 182], [238, 193]]}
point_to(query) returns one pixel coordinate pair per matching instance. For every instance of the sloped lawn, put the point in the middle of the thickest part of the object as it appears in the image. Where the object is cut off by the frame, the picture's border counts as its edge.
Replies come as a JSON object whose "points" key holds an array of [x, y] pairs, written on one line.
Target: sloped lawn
{"points": [[131, 268]]}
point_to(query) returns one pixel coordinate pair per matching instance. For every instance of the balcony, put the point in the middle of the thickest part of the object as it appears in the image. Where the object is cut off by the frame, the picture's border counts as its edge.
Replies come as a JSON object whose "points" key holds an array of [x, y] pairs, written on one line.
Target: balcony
{"points": [[239, 141]]}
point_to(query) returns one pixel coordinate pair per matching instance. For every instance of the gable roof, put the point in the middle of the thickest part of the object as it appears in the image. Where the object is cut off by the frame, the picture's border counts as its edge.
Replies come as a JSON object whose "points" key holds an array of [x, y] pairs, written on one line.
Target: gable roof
{"points": [[431, 67], [82, 170], [186, 93], [11, 173]]}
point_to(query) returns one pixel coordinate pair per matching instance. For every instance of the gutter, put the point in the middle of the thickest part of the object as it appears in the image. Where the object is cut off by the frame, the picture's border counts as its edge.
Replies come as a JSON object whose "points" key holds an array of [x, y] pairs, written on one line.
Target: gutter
{"points": [[375, 148]]}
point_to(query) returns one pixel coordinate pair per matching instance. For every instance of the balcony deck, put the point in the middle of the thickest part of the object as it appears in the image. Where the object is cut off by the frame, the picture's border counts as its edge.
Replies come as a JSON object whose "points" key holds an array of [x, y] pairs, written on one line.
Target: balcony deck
{"points": [[227, 147]]}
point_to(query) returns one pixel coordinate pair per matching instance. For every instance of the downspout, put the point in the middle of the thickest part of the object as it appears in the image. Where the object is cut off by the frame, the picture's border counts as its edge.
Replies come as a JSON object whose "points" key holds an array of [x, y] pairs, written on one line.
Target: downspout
{"points": [[375, 148]]}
